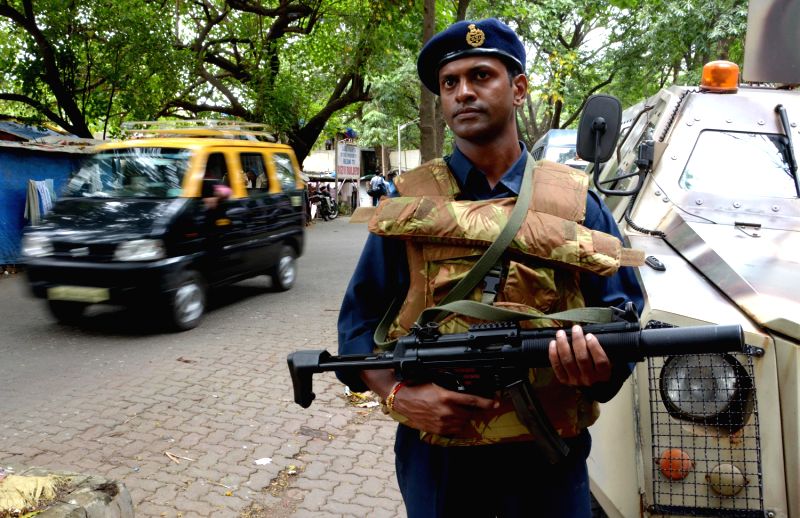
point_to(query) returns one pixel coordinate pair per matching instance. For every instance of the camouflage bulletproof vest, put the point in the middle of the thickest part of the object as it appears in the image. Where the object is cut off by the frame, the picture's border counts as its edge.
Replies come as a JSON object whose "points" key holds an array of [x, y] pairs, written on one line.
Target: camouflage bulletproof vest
{"points": [[445, 237]]}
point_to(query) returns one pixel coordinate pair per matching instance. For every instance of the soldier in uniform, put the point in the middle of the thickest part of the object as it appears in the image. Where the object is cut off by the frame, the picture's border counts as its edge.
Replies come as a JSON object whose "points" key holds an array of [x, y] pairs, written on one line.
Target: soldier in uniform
{"points": [[459, 454]]}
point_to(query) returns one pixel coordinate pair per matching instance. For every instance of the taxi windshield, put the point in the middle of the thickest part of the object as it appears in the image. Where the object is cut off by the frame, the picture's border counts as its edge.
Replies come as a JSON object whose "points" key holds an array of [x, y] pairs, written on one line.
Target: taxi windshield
{"points": [[131, 173], [739, 164]]}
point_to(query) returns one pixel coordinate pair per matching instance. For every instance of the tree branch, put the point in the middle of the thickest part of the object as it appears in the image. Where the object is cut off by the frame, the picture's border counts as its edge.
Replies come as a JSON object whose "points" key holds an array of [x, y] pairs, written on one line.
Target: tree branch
{"points": [[51, 76], [33, 103], [597, 87]]}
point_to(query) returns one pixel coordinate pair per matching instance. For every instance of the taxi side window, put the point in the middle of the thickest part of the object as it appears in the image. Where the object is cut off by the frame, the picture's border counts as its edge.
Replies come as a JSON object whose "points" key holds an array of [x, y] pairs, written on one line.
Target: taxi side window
{"points": [[216, 173], [255, 172], [285, 171]]}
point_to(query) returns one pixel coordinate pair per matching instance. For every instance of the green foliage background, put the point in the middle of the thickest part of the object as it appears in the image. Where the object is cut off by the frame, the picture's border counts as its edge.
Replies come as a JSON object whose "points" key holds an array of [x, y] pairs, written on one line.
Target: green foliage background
{"points": [[137, 60]]}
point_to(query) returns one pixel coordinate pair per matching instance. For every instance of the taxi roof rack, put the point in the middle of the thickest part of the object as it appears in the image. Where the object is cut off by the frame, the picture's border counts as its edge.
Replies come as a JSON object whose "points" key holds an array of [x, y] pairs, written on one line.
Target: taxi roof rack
{"points": [[200, 128]]}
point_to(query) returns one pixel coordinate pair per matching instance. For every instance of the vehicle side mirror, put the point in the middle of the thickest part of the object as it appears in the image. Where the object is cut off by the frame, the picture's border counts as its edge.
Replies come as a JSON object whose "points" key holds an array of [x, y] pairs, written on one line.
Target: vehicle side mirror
{"points": [[597, 136], [599, 128]]}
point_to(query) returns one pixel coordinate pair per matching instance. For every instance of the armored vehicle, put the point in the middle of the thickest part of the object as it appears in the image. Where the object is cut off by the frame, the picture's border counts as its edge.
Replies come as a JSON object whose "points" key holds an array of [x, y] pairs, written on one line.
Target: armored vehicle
{"points": [[711, 178]]}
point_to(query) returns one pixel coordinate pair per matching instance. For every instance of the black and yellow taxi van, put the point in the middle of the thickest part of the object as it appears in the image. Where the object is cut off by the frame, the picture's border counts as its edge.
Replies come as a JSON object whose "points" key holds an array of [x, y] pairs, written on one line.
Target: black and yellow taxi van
{"points": [[154, 222]]}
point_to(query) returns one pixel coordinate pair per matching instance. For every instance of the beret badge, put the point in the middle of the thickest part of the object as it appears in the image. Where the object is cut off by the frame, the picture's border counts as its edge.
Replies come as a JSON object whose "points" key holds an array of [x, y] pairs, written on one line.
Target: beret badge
{"points": [[475, 36]]}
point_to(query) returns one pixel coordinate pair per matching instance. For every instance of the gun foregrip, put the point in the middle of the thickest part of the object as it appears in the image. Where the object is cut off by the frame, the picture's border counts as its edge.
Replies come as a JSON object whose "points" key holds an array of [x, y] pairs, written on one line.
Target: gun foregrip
{"points": [[302, 366]]}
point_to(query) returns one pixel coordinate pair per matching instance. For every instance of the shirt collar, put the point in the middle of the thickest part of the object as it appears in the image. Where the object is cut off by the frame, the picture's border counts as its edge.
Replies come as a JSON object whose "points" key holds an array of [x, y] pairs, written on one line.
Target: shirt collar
{"points": [[473, 182]]}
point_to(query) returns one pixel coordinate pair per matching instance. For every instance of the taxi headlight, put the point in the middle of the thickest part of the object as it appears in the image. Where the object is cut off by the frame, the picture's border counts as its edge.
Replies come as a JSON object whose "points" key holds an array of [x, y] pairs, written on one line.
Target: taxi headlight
{"points": [[36, 246], [140, 250], [710, 389]]}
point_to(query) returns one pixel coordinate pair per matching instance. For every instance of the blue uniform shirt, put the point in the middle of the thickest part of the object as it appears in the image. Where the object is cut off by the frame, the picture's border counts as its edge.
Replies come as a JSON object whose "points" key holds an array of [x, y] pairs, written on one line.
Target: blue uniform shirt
{"points": [[381, 274]]}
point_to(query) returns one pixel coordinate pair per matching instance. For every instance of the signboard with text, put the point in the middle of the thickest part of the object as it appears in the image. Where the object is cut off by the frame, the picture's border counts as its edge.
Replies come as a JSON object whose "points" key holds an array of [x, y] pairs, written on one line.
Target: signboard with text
{"points": [[348, 161]]}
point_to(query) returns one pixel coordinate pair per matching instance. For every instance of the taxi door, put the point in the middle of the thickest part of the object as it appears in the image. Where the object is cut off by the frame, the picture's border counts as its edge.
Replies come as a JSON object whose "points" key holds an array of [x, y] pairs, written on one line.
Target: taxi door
{"points": [[261, 209], [285, 169], [229, 253]]}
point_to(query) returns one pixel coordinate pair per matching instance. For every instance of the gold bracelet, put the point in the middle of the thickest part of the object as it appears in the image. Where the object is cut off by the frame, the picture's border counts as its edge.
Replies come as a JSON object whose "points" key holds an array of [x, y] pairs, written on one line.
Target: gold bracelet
{"points": [[390, 398]]}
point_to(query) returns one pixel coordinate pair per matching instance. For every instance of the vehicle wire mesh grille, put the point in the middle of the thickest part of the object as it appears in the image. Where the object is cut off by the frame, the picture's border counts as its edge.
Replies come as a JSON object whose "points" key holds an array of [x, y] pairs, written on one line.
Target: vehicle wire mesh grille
{"points": [[715, 436]]}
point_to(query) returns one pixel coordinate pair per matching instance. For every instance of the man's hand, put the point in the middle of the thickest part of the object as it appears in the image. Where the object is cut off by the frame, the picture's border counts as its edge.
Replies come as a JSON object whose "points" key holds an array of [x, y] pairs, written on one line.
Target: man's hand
{"points": [[430, 408], [582, 364]]}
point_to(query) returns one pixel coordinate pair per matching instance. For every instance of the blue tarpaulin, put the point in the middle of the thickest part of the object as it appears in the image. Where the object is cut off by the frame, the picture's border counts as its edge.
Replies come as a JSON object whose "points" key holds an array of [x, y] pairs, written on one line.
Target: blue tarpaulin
{"points": [[18, 165]]}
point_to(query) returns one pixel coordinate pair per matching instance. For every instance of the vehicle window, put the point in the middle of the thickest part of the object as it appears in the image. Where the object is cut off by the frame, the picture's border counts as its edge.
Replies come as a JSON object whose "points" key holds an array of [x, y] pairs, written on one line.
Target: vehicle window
{"points": [[739, 164], [560, 154], [131, 172], [254, 172], [285, 171], [217, 169]]}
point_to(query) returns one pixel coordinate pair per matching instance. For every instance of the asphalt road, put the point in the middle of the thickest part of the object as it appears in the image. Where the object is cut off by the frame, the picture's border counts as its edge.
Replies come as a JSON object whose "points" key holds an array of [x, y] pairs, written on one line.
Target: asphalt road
{"points": [[113, 396]]}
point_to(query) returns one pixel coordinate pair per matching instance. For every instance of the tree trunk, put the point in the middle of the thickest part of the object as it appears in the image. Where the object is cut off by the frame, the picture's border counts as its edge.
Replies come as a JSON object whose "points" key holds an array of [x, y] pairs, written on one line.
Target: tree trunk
{"points": [[461, 10], [427, 104]]}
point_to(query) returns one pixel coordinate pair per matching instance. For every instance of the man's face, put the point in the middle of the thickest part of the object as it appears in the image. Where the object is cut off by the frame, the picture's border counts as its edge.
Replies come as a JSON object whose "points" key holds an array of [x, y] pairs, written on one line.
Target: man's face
{"points": [[478, 99]]}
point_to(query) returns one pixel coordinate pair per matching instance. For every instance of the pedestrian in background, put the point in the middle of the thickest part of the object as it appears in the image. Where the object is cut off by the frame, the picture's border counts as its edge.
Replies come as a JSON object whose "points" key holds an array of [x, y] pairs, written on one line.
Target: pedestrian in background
{"points": [[377, 188], [391, 188]]}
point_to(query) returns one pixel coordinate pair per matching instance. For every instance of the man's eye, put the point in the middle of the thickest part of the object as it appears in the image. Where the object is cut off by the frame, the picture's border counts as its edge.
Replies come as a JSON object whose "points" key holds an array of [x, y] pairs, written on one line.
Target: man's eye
{"points": [[449, 82], [481, 74]]}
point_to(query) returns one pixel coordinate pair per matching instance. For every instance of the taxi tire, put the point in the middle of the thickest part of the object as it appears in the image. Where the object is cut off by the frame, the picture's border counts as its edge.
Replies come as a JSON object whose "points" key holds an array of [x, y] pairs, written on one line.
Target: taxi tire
{"points": [[186, 305], [284, 274], [66, 312]]}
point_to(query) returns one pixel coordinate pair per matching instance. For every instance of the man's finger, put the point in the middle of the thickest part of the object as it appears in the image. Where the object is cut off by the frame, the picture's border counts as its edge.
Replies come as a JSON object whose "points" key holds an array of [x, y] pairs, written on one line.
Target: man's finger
{"points": [[555, 363], [602, 364], [583, 358], [567, 358], [470, 400]]}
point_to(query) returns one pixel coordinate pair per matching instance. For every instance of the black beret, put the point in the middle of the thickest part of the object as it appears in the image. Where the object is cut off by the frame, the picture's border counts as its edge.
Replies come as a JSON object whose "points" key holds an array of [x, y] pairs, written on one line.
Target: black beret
{"points": [[466, 38]]}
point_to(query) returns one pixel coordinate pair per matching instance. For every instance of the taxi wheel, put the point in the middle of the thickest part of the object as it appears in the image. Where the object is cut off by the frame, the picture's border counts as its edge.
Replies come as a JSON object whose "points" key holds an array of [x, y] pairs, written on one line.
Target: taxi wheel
{"points": [[284, 273], [66, 312], [187, 304]]}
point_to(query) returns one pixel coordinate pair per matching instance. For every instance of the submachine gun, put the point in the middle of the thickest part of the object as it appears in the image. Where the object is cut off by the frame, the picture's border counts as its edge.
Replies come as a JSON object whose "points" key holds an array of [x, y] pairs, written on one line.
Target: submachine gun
{"points": [[496, 357]]}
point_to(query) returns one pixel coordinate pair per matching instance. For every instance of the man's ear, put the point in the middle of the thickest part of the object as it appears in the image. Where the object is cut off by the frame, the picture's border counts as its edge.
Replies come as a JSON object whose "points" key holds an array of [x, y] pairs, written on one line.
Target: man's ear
{"points": [[520, 86]]}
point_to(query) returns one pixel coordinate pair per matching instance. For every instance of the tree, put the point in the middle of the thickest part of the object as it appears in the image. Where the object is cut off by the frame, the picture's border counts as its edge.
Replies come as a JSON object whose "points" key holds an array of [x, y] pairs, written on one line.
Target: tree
{"points": [[75, 63], [308, 67], [291, 65], [427, 101], [629, 48]]}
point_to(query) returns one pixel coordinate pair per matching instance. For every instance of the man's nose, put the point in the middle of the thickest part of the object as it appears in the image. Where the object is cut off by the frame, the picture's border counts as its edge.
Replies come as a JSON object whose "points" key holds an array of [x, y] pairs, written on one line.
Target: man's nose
{"points": [[464, 91]]}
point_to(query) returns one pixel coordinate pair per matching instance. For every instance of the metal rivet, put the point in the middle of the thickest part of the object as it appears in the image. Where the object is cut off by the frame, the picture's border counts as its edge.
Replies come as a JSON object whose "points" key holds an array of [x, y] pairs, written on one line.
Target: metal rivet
{"points": [[737, 204], [689, 123], [665, 199], [698, 202], [770, 514], [775, 208], [674, 157], [794, 124], [697, 118], [657, 193], [761, 123], [728, 120]]}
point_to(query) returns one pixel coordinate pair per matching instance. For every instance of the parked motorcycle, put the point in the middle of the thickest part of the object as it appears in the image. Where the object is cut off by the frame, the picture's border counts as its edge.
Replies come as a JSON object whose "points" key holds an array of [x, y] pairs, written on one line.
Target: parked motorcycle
{"points": [[323, 204]]}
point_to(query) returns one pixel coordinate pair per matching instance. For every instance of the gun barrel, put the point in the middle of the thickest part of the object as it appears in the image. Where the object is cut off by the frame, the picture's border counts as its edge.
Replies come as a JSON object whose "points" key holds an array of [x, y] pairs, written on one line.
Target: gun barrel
{"points": [[636, 346]]}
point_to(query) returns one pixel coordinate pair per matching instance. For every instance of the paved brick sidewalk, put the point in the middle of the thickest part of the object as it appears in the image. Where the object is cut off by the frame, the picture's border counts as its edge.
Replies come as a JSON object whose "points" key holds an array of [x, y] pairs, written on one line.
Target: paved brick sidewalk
{"points": [[225, 405]]}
